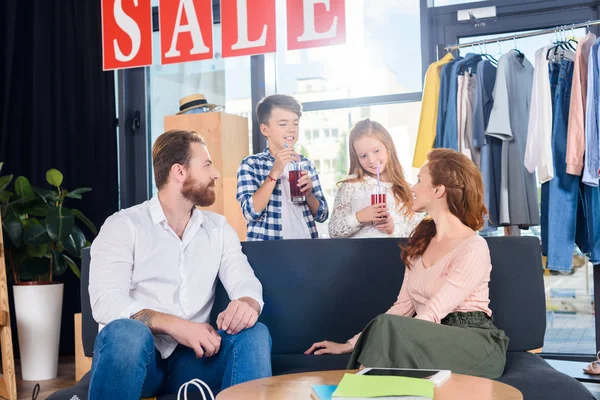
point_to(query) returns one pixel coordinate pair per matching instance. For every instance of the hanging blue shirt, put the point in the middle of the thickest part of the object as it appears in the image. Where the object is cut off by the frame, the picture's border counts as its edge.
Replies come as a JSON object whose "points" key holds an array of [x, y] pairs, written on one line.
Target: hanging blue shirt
{"points": [[450, 136], [592, 115]]}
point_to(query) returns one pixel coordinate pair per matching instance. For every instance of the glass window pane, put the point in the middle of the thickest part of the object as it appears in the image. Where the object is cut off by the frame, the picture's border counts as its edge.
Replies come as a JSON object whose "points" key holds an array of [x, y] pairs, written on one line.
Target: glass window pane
{"points": [[382, 55], [223, 82], [401, 120]]}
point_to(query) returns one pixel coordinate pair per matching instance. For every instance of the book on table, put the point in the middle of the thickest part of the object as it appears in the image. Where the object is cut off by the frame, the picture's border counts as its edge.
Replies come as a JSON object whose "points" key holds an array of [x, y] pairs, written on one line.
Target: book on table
{"points": [[377, 387]]}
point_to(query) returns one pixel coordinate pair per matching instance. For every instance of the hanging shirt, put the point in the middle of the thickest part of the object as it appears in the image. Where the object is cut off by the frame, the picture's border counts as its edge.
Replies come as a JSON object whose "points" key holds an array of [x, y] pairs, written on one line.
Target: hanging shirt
{"points": [[491, 147], [292, 214], [450, 135], [508, 122], [538, 152], [592, 152], [443, 102], [465, 105], [579, 88], [429, 110]]}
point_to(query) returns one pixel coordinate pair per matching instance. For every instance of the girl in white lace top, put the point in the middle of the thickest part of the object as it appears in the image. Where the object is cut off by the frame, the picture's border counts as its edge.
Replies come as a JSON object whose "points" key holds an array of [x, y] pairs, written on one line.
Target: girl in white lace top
{"points": [[353, 215]]}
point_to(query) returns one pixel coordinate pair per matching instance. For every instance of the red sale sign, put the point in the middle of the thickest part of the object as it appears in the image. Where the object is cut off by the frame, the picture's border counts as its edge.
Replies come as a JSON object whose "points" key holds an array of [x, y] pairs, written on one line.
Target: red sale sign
{"points": [[126, 33], [248, 27], [313, 23], [186, 30]]}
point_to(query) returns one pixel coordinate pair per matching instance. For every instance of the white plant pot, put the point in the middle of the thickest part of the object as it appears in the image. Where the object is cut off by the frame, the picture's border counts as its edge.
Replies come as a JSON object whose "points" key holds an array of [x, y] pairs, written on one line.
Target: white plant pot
{"points": [[38, 309]]}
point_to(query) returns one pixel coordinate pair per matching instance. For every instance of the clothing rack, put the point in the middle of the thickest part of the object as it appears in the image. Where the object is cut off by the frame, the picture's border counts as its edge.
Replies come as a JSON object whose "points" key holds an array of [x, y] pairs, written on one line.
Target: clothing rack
{"points": [[557, 29]]}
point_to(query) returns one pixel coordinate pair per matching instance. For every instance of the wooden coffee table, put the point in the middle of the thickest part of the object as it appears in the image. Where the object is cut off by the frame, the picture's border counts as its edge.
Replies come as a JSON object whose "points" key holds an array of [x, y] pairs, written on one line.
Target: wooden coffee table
{"points": [[298, 387]]}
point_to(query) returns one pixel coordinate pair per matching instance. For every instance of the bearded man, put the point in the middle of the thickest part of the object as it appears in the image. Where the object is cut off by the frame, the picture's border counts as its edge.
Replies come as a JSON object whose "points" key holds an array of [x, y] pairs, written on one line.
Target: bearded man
{"points": [[153, 273]]}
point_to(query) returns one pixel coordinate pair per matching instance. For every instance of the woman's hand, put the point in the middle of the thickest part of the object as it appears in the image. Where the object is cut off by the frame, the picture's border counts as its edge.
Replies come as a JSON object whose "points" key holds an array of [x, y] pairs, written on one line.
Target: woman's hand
{"points": [[327, 347]]}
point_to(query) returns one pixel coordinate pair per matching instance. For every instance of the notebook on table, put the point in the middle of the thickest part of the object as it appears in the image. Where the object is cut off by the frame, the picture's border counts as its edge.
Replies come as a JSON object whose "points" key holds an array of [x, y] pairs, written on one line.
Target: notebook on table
{"points": [[378, 387]]}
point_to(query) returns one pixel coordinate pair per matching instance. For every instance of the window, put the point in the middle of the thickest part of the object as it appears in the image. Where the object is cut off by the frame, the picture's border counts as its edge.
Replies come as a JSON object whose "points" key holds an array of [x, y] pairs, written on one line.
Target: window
{"points": [[223, 82], [317, 164], [382, 55], [308, 135], [334, 133], [326, 132], [315, 134]]}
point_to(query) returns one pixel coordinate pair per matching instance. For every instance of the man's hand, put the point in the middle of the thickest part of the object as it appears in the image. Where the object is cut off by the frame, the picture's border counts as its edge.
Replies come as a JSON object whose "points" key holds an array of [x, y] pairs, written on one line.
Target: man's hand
{"points": [[239, 315], [202, 338]]}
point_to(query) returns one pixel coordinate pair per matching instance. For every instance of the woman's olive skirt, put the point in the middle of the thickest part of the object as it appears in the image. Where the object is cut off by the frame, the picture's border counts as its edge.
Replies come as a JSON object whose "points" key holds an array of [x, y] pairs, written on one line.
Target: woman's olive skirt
{"points": [[465, 343]]}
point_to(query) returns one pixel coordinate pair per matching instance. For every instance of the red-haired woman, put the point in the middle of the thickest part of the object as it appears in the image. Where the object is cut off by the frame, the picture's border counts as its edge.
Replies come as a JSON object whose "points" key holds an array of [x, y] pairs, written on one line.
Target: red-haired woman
{"points": [[442, 317]]}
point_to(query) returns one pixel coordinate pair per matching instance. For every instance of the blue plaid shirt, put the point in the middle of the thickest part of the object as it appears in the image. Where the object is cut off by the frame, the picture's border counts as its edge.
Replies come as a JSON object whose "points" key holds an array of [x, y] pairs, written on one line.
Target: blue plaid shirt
{"points": [[266, 225]]}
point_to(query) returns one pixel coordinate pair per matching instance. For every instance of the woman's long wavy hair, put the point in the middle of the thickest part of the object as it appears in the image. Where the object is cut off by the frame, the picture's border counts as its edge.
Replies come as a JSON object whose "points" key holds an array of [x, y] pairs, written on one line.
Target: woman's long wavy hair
{"points": [[400, 187], [464, 195]]}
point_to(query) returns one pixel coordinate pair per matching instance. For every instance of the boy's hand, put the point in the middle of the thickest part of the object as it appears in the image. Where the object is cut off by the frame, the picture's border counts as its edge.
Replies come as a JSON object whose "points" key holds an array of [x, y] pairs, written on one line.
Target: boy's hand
{"points": [[281, 159], [305, 183]]}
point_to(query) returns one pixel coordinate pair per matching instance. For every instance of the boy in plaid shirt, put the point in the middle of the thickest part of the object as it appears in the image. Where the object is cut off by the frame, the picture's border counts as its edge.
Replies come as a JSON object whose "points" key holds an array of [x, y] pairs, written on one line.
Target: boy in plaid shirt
{"points": [[262, 179]]}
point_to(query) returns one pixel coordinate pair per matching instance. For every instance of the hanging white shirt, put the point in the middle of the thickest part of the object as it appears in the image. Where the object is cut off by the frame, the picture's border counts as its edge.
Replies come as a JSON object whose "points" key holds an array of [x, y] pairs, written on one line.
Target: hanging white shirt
{"points": [[538, 151], [138, 262], [293, 225]]}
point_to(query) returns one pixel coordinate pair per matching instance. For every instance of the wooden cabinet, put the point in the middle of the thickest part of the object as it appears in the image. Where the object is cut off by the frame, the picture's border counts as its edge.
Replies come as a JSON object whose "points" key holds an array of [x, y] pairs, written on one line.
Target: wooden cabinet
{"points": [[228, 143]]}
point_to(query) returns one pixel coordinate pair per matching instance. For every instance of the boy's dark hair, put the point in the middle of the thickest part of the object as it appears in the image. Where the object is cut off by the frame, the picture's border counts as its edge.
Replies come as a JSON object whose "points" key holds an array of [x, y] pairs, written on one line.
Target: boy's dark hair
{"points": [[172, 147], [283, 101]]}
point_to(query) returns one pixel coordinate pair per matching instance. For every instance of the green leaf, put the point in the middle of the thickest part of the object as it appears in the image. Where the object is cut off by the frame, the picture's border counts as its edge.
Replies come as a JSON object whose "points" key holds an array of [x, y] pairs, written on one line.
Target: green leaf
{"points": [[60, 247], [79, 215], [73, 266], [36, 234], [23, 187], [33, 267], [38, 210], [37, 250], [75, 242], [47, 195], [5, 181], [5, 197], [76, 194], [54, 177], [59, 264], [1, 164], [12, 225], [59, 222]]}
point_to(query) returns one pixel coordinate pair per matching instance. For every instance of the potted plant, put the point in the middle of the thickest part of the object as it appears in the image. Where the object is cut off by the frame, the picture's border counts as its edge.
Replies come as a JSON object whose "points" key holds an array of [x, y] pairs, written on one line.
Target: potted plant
{"points": [[42, 242]]}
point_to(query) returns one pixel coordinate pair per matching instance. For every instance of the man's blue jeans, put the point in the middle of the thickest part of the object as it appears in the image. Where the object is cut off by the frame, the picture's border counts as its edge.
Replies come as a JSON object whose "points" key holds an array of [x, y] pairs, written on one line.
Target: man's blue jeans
{"points": [[126, 364]]}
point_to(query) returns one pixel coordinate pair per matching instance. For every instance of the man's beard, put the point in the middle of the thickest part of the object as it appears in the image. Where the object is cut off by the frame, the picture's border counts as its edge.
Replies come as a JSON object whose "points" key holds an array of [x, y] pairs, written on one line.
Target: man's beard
{"points": [[197, 194]]}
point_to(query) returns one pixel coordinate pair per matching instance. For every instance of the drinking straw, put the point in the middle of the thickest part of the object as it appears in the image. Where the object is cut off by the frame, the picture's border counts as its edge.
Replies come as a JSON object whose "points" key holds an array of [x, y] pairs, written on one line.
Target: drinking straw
{"points": [[378, 182]]}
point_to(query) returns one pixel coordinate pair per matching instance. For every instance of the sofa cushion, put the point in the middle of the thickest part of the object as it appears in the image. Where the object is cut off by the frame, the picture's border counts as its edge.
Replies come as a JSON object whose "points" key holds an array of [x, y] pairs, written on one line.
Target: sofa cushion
{"points": [[537, 380]]}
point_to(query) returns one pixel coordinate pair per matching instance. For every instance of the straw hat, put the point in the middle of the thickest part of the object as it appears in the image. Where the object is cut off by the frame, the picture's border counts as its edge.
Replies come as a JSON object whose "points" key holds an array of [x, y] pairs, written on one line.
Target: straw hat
{"points": [[194, 101]]}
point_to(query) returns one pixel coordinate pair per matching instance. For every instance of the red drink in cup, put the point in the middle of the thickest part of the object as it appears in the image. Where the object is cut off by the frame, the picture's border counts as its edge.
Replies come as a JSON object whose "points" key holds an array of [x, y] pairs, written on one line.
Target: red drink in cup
{"points": [[378, 198], [295, 192]]}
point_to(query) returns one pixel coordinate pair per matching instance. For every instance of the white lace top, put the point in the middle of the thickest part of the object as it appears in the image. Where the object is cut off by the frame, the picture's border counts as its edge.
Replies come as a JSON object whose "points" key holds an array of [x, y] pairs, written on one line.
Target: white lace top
{"points": [[353, 197]]}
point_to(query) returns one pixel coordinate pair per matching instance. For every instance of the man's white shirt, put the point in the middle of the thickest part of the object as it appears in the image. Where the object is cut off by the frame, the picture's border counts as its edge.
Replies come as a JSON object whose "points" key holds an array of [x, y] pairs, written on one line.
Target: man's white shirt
{"points": [[138, 262]]}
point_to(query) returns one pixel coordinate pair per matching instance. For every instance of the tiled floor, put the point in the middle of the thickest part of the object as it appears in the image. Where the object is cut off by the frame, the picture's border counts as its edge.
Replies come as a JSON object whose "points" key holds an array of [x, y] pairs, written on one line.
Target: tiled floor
{"points": [[571, 333]]}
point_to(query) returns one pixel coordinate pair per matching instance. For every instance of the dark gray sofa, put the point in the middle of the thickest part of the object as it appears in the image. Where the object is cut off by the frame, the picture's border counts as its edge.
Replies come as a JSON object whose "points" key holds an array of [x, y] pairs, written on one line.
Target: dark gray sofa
{"points": [[330, 289]]}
